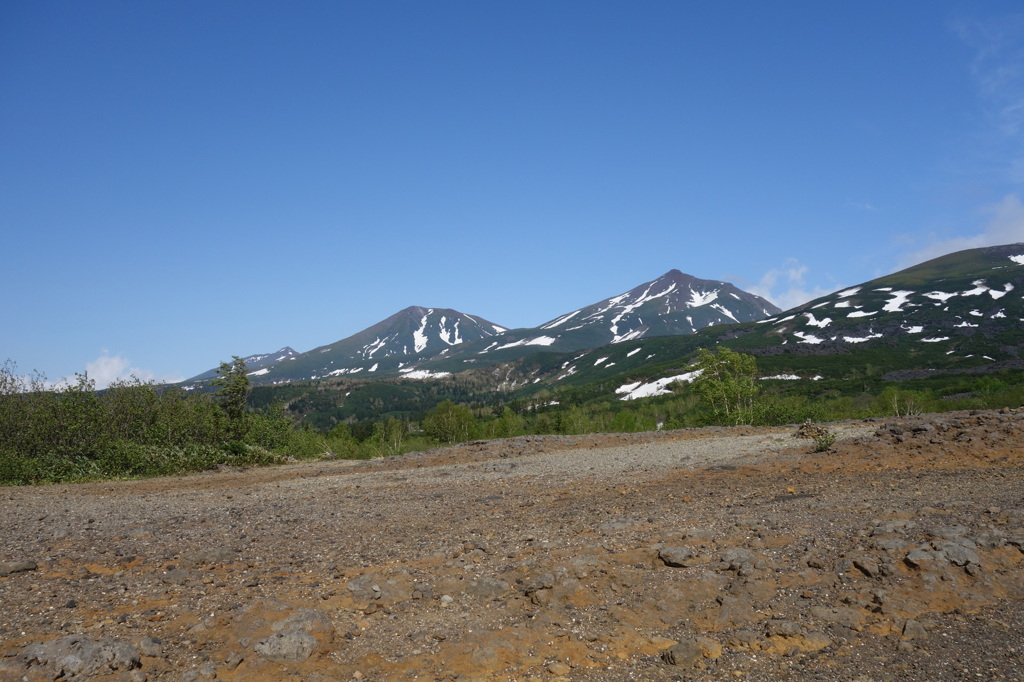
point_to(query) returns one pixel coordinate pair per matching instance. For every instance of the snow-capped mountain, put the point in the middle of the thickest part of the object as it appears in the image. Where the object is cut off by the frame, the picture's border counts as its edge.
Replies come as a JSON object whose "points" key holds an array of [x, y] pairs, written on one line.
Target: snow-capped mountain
{"points": [[388, 346], [940, 304], [421, 342], [256, 364], [673, 304]]}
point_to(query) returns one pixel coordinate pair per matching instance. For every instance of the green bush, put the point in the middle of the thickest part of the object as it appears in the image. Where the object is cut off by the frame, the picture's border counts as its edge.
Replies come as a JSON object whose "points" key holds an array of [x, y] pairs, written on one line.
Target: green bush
{"points": [[305, 443], [628, 421], [824, 441], [779, 411]]}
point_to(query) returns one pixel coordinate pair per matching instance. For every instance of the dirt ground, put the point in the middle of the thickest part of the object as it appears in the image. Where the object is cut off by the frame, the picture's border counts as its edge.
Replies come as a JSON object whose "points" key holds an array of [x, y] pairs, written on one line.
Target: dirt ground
{"points": [[716, 553]]}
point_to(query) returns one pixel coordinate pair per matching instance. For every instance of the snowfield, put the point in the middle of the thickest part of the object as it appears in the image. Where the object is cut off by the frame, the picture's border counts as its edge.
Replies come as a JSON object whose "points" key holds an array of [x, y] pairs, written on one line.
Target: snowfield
{"points": [[653, 388]]}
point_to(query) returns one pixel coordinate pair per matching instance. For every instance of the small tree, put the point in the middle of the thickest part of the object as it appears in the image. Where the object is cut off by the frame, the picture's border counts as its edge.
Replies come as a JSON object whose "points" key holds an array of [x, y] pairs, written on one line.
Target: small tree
{"points": [[727, 382], [233, 390], [508, 424], [449, 423], [388, 437]]}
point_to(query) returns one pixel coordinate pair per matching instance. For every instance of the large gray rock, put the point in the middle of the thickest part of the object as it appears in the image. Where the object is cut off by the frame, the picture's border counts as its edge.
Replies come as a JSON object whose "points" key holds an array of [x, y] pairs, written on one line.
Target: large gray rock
{"points": [[957, 553], [77, 657], [306, 620], [10, 567], [688, 653], [676, 557], [287, 646], [488, 588]]}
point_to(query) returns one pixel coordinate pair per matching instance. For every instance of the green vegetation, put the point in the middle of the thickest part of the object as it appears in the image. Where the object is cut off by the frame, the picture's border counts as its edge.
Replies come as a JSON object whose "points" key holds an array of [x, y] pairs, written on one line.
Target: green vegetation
{"points": [[824, 441], [233, 389], [137, 429], [448, 423], [727, 383]]}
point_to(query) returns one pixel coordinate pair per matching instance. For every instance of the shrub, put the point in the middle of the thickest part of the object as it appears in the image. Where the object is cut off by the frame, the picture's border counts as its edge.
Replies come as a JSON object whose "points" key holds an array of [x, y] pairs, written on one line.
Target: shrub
{"points": [[824, 441]]}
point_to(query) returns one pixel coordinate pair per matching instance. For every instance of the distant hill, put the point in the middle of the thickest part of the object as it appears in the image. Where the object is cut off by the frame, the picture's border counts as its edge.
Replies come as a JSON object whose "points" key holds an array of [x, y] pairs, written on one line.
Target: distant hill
{"points": [[958, 304]]}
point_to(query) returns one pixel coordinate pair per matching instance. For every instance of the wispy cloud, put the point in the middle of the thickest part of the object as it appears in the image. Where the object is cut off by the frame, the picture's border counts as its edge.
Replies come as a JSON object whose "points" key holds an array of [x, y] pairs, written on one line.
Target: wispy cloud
{"points": [[998, 72], [107, 369], [786, 286], [1005, 225]]}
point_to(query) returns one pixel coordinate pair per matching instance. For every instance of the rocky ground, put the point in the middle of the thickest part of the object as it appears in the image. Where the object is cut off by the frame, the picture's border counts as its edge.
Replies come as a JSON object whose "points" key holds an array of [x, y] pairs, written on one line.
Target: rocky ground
{"points": [[698, 554]]}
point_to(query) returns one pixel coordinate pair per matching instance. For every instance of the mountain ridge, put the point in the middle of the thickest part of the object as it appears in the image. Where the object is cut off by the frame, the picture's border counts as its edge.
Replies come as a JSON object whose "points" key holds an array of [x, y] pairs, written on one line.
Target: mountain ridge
{"points": [[419, 342]]}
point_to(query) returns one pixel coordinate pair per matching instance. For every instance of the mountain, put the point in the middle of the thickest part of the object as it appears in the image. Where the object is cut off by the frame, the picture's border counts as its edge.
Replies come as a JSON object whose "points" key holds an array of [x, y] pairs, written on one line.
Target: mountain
{"points": [[674, 304], [959, 314], [958, 304], [387, 347], [423, 342], [255, 363]]}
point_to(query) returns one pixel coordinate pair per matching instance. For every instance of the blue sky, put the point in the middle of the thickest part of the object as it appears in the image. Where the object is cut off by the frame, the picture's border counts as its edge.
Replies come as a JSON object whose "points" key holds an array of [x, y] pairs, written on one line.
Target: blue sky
{"points": [[181, 182]]}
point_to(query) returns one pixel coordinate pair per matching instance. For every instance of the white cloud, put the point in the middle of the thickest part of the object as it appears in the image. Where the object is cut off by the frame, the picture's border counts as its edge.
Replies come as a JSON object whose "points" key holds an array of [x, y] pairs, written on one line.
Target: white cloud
{"points": [[1005, 226], [998, 68], [786, 286], [998, 72], [106, 369]]}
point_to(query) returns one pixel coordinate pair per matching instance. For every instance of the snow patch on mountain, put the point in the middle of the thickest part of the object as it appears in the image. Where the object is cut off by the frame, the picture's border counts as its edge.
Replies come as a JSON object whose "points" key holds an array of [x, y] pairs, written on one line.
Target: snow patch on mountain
{"points": [[861, 339], [814, 322], [898, 300], [341, 372], [450, 336], [722, 309], [372, 348], [561, 320], [1019, 260], [539, 341], [629, 336], [699, 298], [808, 338], [653, 388], [410, 373], [419, 337]]}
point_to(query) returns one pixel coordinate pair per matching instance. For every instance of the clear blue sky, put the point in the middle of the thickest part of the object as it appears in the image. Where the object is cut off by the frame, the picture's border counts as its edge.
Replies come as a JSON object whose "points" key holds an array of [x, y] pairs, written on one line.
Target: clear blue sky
{"points": [[185, 181]]}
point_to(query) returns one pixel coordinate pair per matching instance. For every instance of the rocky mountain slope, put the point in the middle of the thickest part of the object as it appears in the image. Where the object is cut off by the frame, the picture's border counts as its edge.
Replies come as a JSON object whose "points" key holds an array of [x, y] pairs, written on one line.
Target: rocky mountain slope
{"points": [[698, 554]]}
